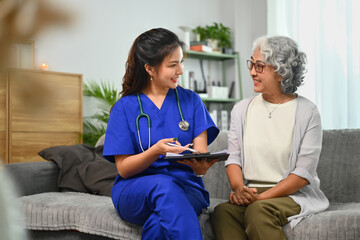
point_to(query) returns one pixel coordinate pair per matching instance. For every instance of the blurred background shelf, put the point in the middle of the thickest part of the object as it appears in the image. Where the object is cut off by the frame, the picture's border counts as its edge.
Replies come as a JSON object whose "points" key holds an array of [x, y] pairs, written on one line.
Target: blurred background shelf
{"points": [[210, 56], [220, 105], [220, 100]]}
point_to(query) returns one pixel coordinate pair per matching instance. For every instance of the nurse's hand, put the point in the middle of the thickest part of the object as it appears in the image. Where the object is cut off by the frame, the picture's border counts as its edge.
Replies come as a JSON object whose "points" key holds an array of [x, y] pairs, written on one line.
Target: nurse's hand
{"points": [[199, 167], [162, 148]]}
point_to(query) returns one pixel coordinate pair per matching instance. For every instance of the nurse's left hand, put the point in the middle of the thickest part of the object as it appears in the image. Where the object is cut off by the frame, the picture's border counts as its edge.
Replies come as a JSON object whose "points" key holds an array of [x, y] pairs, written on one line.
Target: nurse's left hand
{"points": [[200, 167]]}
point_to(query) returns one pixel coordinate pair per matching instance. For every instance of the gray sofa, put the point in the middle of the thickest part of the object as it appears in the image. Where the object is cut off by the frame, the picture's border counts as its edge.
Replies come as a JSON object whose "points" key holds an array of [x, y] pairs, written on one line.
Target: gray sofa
{"points": [[50, 214]]}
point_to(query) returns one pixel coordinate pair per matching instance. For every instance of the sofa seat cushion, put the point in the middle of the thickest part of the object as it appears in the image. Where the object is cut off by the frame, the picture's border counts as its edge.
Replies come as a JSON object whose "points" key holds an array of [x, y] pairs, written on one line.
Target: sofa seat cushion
{"points": [[86, 213], [339, 221], [82, 212]]}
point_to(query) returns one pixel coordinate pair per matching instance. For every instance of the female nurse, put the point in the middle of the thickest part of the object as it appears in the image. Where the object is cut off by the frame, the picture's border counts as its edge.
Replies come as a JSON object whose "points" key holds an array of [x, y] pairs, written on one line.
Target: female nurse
{"points": [[165, 197]]}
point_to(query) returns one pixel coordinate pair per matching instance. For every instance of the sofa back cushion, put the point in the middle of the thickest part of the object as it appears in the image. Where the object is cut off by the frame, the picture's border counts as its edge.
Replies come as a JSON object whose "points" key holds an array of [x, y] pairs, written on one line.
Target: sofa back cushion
{"points": [[339, 165], [33, 177], [215, 180]]}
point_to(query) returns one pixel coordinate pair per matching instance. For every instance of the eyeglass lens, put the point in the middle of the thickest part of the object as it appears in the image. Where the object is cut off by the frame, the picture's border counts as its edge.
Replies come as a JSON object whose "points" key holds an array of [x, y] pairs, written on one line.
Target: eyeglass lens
{"points": [[258, 67]]}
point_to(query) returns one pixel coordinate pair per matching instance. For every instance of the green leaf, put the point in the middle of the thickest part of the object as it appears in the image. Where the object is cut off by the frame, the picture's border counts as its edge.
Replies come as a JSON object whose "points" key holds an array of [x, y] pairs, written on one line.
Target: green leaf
{"points": [[92, 132], [95, 126], [216, 31]]}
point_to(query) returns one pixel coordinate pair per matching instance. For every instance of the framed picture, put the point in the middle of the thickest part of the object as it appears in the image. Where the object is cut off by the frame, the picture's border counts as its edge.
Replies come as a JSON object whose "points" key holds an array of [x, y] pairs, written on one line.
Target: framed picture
{"points": [[22, 55]]}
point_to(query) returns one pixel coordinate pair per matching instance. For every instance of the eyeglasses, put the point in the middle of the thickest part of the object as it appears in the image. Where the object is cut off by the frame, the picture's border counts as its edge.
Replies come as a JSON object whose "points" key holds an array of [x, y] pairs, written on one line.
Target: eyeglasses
{"points": [[259, 67]]}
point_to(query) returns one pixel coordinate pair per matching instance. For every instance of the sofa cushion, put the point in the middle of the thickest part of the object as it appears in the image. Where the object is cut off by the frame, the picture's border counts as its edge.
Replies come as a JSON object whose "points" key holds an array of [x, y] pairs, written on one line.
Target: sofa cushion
{"points": [[215, 180], [340, 221], [86, 213], [33, 177], [339, 165], [82, 212]]}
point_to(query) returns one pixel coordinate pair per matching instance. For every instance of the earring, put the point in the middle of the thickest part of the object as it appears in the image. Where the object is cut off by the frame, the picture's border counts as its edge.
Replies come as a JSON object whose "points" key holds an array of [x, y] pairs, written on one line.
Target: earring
{"points": [[151, 78]]}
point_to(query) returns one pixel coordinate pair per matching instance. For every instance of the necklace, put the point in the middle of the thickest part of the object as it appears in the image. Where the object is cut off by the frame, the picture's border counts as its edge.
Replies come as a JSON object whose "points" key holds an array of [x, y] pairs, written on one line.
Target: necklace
{"points": [[270, 112]]}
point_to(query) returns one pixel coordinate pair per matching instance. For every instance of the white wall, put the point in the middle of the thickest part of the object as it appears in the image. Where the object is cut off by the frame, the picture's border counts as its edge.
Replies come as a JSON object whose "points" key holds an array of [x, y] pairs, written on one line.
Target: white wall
{"points": [[250, 23], [102, 32]]}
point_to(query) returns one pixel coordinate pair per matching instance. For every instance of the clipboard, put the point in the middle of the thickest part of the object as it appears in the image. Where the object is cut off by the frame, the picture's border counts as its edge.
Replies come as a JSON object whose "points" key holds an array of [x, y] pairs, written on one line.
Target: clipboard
{"points": [[222, 156]]}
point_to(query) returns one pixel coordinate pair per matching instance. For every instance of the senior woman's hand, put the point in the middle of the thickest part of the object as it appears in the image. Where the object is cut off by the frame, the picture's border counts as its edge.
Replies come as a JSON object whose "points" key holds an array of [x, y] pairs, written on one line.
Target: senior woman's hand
{"points": [[200, 167], [250, 195], [243, 196]]}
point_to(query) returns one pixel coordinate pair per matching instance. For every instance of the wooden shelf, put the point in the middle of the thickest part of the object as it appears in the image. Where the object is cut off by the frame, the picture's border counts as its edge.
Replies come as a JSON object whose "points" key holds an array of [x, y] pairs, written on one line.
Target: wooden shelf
{"points": [[221, 100], [224, 103], [210, 56]]}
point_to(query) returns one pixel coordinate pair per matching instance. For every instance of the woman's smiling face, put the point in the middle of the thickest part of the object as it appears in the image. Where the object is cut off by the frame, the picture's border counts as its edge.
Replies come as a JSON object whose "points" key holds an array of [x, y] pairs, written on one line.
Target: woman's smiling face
{"points": [[268, 81], [168, 73]]}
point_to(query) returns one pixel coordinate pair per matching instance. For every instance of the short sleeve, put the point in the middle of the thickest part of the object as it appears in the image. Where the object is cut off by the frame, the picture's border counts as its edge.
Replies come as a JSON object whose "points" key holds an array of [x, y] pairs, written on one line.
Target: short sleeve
{"points": [[118, 139], [203, 120]]}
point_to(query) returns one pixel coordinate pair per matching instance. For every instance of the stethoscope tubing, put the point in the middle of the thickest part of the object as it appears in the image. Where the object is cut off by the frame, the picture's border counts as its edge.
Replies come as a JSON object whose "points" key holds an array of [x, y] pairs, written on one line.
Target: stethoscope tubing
{"points": [[143, 114]]}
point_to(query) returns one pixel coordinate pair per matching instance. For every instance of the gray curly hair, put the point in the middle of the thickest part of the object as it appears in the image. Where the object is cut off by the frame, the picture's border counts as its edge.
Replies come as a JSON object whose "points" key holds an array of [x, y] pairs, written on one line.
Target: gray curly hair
{"points": [[283, 54]]}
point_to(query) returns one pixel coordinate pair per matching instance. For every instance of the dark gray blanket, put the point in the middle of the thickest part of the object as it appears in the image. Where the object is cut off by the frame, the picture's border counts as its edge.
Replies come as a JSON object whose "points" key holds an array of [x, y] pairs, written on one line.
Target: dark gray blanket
{"points": [[82, 168]]}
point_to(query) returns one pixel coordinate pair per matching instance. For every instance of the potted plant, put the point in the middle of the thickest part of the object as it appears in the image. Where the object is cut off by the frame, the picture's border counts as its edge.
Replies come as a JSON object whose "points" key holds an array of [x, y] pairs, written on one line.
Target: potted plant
{"points": [[212, 35], [224, 37], [218, 35], [95, 125], [200, 33]]}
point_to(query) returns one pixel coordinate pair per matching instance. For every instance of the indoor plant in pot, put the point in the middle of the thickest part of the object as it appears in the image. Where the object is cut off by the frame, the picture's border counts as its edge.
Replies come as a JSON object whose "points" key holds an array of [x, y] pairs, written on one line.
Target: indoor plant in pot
{"points": [[224, 37], [106, 96], [218, 36]]}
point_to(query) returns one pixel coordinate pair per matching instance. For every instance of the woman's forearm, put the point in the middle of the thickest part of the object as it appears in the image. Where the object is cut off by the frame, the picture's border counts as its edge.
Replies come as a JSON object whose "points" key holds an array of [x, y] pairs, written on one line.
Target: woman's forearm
{"points": [[200, 142], [286, 187], [235, 177], [130, 165]]}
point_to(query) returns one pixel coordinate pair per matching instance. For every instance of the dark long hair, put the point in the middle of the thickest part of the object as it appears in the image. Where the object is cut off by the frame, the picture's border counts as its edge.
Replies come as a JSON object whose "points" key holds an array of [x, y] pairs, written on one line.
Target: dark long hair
{"points": [[151, 47]]}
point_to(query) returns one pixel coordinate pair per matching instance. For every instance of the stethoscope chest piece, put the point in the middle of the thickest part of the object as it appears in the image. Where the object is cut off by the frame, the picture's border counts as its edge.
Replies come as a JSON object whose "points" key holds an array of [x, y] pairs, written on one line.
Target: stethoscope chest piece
{"points": [[184, 125]]}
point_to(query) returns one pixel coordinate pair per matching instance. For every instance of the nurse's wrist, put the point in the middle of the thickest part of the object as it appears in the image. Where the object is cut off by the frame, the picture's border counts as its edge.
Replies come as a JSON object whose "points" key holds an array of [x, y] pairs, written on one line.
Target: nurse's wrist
{"points": [[158, 149]]}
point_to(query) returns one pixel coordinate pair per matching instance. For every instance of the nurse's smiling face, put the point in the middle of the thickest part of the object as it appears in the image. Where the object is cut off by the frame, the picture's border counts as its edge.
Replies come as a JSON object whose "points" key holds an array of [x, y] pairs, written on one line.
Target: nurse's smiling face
{"points": [[169, 71]]}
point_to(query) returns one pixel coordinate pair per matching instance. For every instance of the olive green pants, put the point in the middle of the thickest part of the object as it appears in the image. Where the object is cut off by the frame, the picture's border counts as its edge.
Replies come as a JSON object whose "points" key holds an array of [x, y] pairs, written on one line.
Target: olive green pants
{"points": [[260, 220]]}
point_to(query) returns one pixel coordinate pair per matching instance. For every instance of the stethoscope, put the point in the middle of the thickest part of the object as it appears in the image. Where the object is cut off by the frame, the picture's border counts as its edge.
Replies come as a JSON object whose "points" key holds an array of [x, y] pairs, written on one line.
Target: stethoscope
{"points": [[183, 124]]}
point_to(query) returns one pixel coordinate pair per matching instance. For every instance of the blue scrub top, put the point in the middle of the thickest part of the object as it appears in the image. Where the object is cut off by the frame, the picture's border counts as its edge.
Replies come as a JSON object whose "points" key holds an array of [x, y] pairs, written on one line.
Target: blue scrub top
{"points": [[121, 134], [122, 138]]}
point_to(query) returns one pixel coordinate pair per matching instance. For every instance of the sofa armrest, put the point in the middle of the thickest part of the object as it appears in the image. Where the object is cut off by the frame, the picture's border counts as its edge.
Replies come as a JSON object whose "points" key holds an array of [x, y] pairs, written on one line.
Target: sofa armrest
{"points": [[33, 177]]}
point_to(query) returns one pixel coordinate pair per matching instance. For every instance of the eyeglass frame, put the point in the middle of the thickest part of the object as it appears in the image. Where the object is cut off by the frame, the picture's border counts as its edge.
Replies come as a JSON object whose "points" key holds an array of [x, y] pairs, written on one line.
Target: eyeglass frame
{"points": [[250, 64]]}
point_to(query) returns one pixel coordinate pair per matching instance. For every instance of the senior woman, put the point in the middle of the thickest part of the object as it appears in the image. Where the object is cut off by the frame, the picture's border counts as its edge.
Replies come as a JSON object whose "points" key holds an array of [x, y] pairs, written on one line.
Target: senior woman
{"points": [[274, 144]]}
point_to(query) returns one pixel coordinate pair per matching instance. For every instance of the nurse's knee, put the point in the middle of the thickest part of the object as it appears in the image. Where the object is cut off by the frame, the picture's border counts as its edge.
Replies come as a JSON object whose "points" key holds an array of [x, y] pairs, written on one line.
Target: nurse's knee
{"points": [[163, 185], [164, 182]]}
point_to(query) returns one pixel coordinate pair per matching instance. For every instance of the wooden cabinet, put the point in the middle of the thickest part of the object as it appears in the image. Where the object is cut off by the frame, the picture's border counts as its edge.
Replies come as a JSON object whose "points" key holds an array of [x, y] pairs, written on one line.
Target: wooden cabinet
{"points": [[3, 119], [38, 109]]}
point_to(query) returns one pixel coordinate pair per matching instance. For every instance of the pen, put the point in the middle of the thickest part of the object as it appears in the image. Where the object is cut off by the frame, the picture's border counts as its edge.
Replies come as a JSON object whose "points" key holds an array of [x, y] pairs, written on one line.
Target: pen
{"points": [[189, 149]]}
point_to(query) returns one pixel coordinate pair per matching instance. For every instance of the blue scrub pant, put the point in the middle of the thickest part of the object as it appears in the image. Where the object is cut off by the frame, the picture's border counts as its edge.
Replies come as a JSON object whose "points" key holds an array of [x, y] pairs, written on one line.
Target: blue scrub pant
{"points": [[165, 207]]}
